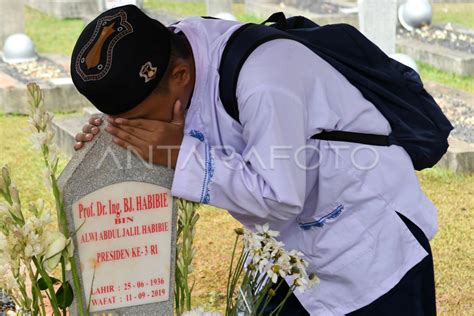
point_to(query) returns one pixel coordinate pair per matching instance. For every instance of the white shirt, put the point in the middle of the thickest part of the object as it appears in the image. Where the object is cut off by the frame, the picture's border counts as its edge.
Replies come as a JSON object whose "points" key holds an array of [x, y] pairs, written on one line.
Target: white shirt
{"points": [[357, 244]]}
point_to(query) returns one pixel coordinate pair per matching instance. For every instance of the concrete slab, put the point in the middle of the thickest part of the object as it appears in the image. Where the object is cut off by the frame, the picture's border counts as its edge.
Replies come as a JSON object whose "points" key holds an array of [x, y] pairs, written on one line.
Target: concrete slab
{"points": [[165, 18], [89, 111], [59, 92], [59, 97], [7, 81], [459, 158], [62, 60], [458, 106], [66, 129], [443, 58]]}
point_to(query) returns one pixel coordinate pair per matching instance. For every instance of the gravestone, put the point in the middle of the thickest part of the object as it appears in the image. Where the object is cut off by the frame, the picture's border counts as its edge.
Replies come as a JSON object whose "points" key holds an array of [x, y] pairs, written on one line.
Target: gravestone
{"points": [[378, 22], [215, 7], [125, 219], [11, 18]]}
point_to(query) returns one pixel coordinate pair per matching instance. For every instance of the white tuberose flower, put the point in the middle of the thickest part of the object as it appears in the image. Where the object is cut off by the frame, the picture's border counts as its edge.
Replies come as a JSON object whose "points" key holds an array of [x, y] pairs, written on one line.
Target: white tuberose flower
{"points": [[41, 139], [265, 230], [269, 257], [54, 251]]}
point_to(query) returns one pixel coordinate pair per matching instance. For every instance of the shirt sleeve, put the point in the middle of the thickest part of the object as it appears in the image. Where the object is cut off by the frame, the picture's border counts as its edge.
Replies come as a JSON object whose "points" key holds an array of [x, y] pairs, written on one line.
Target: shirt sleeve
{"points": [[263, 183]]}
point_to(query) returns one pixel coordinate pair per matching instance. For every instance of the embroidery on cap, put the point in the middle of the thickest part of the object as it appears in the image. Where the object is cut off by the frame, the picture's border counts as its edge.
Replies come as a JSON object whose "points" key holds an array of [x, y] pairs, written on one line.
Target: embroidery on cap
{"points": [[116, 27], [148, 72]]}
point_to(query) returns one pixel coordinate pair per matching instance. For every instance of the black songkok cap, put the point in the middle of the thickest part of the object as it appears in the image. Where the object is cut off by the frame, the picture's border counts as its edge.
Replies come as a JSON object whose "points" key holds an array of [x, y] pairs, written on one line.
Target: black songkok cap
{"points": [[119, 58]]}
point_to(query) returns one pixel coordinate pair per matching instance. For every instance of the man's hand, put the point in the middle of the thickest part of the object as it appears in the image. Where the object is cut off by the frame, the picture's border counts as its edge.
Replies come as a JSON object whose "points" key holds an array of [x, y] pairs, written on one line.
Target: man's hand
{"points": [[155, 141], [88, 132]]}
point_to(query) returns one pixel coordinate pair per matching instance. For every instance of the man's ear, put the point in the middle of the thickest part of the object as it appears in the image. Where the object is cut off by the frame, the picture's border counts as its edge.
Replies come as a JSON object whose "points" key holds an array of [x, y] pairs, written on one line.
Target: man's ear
{"points": [[180, 75]]}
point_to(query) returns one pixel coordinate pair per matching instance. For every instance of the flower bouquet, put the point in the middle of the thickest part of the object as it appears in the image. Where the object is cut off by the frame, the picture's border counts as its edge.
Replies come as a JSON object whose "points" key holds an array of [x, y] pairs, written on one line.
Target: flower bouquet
{"points": [[31, 247]]}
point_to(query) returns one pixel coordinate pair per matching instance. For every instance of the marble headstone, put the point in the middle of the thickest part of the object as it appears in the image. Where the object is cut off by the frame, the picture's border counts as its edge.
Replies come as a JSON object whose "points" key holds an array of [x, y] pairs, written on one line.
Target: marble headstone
{"points": [[125, 219], [215, 7], [378, 21], [11, 18]]}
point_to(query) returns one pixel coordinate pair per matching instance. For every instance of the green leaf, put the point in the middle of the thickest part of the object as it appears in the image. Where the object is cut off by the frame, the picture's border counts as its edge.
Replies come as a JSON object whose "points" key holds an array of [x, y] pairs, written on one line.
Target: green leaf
{"points": [[65, 295], [44, 286]]}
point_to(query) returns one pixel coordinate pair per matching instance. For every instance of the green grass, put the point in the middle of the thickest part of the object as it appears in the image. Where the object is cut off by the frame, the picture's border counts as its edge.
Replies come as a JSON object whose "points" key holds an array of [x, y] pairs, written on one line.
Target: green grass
{"points": [[196, 8], [452, 80], [52, 35], [456, 13], [25, 163], [241, 15], [452, 247], [188, 8]]}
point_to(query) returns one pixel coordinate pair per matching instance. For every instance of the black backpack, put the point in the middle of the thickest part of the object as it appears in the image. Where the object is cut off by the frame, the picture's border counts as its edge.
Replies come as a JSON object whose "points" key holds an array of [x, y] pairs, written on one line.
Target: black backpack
{"points": [[417, 122]]}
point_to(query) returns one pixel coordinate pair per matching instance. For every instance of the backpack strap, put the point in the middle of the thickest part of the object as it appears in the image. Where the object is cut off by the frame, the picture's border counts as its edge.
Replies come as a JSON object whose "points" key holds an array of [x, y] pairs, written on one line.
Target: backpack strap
{"points": [[239, 47], [352, 137]]}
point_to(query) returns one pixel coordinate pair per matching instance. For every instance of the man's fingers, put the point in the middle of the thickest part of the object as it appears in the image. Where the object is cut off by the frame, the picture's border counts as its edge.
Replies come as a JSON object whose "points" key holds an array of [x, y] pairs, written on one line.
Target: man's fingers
{"points": [[140, 133], [124, 135], [178, 113], [87, 128], [90, 129], [138, 123], [97, 121], [84, 137], [78, 145]]}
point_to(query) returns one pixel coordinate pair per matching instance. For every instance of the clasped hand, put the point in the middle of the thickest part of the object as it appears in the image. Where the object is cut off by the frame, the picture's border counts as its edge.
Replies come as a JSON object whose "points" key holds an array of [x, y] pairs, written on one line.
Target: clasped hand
{"points": [[155, 141]]}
